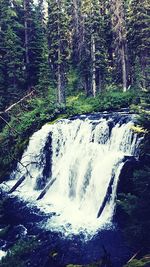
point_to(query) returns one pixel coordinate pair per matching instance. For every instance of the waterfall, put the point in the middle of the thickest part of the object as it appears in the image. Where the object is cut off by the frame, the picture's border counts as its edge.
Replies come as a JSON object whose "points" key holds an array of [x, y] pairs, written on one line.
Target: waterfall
{"points": [[72, 168]]}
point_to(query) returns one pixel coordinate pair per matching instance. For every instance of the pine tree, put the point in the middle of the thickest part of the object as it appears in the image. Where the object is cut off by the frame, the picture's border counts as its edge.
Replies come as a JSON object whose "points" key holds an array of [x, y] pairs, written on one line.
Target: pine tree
{"points": [[3, 21], [93, 59], [58, 36], [120, 38], [98, 40], [139, 43], [11, 53], [75, 30], [36, 46], [43, 74], [30, 43]]}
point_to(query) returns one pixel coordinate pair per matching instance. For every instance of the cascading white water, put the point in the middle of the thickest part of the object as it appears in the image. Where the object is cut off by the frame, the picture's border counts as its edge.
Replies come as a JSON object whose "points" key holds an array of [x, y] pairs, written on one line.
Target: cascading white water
{"points": [[86, 159]]}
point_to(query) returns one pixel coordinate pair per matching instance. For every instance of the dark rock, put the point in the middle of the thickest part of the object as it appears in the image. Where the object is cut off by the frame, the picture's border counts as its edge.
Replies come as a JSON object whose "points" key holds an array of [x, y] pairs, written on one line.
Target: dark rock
{"points": [[16, 233], [46, 161], [2, 243], [125, 183]]}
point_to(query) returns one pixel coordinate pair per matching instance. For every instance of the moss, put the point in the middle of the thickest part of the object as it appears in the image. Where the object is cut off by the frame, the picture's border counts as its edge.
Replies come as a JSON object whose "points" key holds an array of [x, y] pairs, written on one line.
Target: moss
{"points": [[61, 116], [138, 129]]}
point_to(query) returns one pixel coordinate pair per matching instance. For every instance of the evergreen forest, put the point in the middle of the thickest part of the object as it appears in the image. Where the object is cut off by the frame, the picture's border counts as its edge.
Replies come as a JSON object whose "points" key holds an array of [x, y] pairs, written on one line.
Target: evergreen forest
{"points": [[63, 58]]}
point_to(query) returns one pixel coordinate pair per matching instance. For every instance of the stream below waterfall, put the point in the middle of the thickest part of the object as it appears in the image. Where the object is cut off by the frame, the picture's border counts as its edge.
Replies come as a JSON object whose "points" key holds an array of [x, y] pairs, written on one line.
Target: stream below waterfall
{"points": [[68, 175]]}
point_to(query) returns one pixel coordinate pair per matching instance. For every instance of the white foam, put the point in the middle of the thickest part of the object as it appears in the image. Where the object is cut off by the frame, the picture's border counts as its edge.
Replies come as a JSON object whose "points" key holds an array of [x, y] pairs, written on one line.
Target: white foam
{"points": [[84, 160], [2, 254]]}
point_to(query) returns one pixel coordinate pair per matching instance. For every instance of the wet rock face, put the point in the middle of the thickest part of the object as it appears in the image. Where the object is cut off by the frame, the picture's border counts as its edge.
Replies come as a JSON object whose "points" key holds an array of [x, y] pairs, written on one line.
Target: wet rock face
{"points": [[123, 116], [125, 179], [46, 161], [16, 232]]}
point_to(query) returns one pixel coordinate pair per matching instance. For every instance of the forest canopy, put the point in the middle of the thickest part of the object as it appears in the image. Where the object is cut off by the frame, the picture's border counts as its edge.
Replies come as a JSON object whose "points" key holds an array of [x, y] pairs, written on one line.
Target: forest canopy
{"points": [[90, 46]]}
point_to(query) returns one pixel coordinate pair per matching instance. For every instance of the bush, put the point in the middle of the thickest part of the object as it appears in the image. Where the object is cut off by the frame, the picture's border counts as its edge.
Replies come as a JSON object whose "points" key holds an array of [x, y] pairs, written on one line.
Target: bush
{"points": [[18, 256], [109, 101], [24, 121]]}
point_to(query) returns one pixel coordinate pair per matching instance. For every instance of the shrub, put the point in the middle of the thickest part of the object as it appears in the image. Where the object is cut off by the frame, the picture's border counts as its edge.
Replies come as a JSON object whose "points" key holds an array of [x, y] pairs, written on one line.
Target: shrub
{"points": [[18, 255]]}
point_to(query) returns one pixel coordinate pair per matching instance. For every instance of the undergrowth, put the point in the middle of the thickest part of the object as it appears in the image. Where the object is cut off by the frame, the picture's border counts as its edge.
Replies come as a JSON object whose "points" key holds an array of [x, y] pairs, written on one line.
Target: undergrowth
{"points": [[109, 101], [18, 255]]}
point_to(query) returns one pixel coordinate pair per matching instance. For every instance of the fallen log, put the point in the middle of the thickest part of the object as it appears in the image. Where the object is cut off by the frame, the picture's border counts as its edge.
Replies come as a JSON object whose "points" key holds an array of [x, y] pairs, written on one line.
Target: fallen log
{"points": [[6, 111], [107, 196], [46, 189], [19, 182], [134, 256], [9, 125], [18, 102]]}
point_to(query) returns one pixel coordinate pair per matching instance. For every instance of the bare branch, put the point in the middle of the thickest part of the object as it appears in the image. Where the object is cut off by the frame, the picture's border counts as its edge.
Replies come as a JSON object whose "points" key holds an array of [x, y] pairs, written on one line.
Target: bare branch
{"points": [[18, 102], [9, 125]]}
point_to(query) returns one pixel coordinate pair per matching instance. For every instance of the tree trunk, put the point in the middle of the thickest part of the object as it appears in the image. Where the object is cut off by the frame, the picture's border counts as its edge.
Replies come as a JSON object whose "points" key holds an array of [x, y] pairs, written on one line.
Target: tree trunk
{"points": [[59, 83], [124, 68], [81, 41], [76, 16], [93, 65], [76, 37], [143, 69], [42, 10], [25, 2], [119, 28], [60, 74], [86, 85], [99, 82]]}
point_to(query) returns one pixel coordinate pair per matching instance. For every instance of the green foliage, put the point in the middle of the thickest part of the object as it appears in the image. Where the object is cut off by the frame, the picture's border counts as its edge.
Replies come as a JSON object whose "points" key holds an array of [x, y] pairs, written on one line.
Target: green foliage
{"points": [[58, 41], [144, 262], [136, 207], [18, 255], [94, 61], [12, 77], [38, 71], [24, 121], [110, 101], [64, 45], [138, 41], [73, 82]]}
